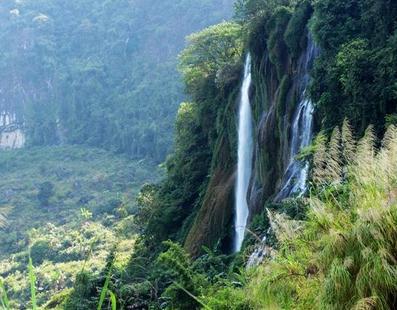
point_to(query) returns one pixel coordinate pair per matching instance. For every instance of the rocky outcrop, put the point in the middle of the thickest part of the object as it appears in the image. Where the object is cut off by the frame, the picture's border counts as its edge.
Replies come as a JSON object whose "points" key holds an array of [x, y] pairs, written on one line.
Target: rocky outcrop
{"points": [[12, 135]]}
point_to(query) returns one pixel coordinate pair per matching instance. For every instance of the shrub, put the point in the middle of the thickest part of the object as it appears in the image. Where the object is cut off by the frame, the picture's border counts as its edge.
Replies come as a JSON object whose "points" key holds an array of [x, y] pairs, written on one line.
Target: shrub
{"points": [[46, 191], [41, 250]]}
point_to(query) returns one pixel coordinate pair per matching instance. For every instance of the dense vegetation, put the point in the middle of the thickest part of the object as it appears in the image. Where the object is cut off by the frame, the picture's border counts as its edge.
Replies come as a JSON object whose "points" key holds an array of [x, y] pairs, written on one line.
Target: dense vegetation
{"points": [[356, 71], [101, 73], [342, 256], [69, 207], [335, 248]]}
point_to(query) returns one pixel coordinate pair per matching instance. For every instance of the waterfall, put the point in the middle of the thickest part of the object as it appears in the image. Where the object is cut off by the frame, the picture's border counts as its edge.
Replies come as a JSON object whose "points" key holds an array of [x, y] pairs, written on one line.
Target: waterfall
{"points": [[244, 164], [294, 181]]}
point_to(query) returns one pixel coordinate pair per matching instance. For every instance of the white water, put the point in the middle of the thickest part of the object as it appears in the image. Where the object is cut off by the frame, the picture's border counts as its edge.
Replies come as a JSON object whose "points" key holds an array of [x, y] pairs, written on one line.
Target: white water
{"points": [[295, 178], [294, 181], [245, 151]]}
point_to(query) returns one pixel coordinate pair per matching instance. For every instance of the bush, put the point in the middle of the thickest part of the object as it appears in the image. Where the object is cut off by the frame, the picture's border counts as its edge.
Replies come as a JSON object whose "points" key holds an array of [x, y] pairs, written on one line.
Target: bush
{"points": [[46, 191], [295, 33], [41, 250]]}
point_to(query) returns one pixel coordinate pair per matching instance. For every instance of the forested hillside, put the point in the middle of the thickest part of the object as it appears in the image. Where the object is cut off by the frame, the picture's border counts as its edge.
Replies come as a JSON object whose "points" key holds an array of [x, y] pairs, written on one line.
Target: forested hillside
{"points": [[321, 69], [101, 73], [280, 191]]}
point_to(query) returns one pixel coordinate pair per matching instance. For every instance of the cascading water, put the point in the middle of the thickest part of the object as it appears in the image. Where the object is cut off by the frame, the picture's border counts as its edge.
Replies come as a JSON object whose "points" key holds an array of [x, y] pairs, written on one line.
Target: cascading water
{"points": [[295, 177], [245, 151], [294, 181]]}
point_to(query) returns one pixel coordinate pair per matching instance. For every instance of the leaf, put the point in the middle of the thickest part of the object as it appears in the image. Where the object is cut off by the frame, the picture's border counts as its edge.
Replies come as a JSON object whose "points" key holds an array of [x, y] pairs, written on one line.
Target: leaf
{"points": [[32, 280], [113, 300], [104, 290], [3, 296]]}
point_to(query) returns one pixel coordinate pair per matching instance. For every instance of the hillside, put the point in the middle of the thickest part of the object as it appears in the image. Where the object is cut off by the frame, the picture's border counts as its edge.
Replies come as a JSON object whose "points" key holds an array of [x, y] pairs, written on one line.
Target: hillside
{"points": [[71, 206], [280, 191], [314, 206], [99, 73]]}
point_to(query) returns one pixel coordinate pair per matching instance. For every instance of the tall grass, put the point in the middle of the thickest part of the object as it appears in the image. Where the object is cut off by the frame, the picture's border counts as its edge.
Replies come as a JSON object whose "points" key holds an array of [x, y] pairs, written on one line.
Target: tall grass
{"points": [[344, 256], [4, 302], [32, 281], [105, 289]]}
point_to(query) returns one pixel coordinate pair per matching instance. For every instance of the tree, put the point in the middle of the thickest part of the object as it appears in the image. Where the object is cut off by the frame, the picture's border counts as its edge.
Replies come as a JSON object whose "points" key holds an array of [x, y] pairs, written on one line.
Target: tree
{"points": [[209, 53], [46, 191]]}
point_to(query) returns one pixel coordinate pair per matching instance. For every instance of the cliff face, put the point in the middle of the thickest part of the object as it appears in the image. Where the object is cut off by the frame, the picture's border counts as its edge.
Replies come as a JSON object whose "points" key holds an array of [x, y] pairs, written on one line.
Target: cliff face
{"points": [[280, 78], [12, 135], [284, 125], [213, 222]]}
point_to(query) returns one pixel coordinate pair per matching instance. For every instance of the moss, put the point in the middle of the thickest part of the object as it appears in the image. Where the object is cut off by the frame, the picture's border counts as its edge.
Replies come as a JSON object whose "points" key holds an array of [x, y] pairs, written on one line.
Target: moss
{"points": [[257, 36], [276, 46], [213, 217], [282, 104], [294, 35], [226, 125], [259, 78]]}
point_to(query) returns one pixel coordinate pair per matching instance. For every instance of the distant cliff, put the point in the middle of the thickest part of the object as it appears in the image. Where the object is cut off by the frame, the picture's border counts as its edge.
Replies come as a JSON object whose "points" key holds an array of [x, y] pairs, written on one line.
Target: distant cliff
{"points": [[12, 135]]}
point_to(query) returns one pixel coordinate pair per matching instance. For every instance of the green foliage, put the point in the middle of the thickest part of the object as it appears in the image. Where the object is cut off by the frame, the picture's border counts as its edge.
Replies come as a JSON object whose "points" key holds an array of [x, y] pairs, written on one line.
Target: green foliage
{"points": [[46, 191], [354, 76], [84, 286], [209, 55], [41, 250], [166, 207], [297, 26], [100, 73], [64, 240], [32, 281], [3, 296], [275, 43], [186, 281]]}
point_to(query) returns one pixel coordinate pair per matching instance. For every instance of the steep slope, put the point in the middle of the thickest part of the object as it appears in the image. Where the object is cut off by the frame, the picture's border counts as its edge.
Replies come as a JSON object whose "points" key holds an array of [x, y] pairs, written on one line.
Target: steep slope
{"points": [[314, 64], [68, 207], [280, 78], [285, 41], [101, 73]]}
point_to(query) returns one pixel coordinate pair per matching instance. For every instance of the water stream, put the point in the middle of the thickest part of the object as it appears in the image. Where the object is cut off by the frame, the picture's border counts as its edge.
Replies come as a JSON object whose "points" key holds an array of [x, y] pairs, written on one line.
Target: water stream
{"points": [[244, 164], [294, 181]]}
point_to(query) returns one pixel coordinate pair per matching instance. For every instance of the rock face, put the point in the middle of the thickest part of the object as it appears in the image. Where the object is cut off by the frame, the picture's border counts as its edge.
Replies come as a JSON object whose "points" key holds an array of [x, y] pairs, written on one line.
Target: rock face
{"points": [[284, 126], [277, 96], [12, 135]]}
